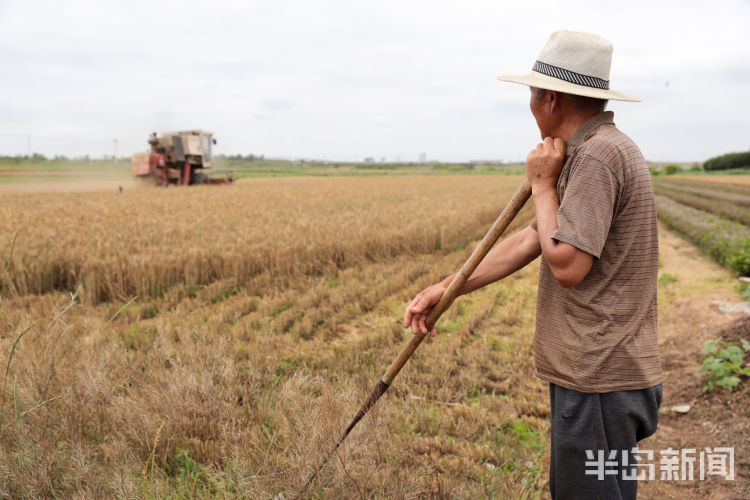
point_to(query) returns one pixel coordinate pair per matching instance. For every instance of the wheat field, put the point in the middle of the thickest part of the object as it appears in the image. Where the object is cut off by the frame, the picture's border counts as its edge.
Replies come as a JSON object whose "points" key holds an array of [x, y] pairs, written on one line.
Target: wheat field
{"points": [[214, 342], [143, 241]]}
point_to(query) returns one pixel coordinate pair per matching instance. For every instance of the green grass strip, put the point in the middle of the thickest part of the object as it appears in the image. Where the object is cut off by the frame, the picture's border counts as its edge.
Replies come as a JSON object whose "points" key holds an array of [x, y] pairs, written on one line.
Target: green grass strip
{"points": [[726, 241]]}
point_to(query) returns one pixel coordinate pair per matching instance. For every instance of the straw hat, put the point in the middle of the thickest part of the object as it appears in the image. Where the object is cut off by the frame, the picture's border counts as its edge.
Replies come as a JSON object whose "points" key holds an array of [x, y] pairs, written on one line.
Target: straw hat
{"points": [[573, 62]]}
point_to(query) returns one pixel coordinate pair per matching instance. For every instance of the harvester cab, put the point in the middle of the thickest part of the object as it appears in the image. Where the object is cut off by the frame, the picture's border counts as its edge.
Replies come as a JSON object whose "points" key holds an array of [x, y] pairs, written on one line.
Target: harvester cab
{"points": [[178, 159]]}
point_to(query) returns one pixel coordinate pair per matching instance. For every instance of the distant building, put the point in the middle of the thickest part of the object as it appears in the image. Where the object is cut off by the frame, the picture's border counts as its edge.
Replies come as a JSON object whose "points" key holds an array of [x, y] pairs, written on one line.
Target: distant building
{"points": [[369, 159], [422, 157]]}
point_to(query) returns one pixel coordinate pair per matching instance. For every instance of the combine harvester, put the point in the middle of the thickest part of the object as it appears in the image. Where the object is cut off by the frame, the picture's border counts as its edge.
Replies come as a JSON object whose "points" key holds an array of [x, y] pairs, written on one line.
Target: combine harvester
{"points": [[178, 159]]}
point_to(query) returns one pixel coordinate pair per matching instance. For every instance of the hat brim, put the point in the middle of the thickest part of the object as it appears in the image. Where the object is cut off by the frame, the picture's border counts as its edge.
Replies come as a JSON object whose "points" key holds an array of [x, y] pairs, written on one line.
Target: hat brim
{"points": [[542, 81]]}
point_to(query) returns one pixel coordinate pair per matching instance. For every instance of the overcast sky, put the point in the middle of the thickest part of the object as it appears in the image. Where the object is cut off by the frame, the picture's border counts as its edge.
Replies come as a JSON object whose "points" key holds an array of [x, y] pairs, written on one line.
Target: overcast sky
{"points": [[346, 79]]}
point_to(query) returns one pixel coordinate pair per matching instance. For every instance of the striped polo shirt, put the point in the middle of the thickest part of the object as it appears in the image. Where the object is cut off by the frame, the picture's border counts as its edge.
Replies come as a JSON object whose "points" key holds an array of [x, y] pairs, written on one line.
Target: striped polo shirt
{"points": [[600, 335]]}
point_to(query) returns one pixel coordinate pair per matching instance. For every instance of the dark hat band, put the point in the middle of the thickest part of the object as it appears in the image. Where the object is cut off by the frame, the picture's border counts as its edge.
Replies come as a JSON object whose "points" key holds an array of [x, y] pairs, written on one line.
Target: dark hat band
{"points": [[570, 76]]}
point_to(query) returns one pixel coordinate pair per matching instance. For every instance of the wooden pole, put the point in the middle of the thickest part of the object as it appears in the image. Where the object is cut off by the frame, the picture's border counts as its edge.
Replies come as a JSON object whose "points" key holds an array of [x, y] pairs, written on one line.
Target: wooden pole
{"points": [[493, 234]]}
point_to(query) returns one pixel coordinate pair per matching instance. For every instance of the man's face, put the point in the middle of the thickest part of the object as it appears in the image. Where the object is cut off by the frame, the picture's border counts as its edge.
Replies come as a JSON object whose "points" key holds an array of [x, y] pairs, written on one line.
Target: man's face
{"points": [[539, 105]]}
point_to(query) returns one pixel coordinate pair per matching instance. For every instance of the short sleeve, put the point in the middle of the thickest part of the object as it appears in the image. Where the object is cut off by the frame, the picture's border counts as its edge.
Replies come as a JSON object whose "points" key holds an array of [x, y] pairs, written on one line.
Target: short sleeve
{"points": [[588, 206]]}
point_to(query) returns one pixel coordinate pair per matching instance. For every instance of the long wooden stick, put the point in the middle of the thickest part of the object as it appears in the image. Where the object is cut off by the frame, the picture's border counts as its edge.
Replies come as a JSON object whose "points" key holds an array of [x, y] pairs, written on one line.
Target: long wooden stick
{"points": [[496, 230]]}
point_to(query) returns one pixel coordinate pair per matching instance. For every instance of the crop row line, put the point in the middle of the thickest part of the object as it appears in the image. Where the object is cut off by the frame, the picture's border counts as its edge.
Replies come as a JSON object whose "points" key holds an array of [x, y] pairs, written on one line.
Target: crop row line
{"points": [[726, 241], [716, 206]]}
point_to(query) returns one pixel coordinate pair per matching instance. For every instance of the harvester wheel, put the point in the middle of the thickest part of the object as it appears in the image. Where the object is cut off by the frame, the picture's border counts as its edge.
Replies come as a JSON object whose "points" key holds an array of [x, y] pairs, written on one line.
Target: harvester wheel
{"points": [[199, 179]]}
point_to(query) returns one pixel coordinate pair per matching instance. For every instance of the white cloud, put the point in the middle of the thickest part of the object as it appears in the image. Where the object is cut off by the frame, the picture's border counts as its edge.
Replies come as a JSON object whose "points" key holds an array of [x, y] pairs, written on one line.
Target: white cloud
{"points": [[341, 79]]}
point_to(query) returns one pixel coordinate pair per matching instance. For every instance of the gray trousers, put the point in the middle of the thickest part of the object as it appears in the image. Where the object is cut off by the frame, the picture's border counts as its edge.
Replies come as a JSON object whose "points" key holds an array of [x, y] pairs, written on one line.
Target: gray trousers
{"points": [[612, 422]]}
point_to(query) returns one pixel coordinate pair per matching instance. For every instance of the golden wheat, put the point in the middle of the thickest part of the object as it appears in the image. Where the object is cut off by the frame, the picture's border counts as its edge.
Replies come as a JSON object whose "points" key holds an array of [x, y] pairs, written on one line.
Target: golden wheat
{"points": [[141, 242]]}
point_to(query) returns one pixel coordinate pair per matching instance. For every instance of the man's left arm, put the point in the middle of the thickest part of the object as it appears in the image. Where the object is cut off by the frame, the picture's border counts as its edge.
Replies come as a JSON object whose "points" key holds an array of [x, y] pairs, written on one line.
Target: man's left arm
{"points": [[569, 264]]}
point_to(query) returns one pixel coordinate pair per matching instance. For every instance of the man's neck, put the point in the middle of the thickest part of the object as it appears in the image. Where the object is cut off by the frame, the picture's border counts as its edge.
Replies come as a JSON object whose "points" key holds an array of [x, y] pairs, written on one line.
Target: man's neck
{"points": [[571, 124]]}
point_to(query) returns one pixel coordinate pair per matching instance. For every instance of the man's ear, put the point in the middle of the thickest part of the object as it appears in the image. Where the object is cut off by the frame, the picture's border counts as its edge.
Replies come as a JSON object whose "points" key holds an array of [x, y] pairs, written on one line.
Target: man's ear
{"points": [[554, 100]]}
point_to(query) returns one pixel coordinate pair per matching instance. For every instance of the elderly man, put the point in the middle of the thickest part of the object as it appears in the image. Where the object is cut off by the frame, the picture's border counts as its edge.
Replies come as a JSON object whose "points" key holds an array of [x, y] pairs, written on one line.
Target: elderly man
{"points": [[595, 229]]}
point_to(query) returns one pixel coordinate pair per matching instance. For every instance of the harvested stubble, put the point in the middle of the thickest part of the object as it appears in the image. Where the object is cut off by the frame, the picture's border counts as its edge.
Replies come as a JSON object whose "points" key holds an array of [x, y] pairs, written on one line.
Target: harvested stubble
{"points": [[144, 241], [252, 409]]}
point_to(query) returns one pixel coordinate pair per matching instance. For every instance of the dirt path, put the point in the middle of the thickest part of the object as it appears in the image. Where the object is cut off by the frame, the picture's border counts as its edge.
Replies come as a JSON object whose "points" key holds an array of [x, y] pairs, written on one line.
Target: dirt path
{"points": [[687, 318]]}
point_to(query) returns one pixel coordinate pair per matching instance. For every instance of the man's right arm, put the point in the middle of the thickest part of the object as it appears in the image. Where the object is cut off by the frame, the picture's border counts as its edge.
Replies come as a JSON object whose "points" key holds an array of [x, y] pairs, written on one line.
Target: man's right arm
{"points": [[504, 259]]}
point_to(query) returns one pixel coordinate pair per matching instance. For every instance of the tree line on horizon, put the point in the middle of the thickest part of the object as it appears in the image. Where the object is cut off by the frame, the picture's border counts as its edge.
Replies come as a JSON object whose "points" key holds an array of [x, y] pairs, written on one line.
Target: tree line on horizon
{"points": [[728, 161]]}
